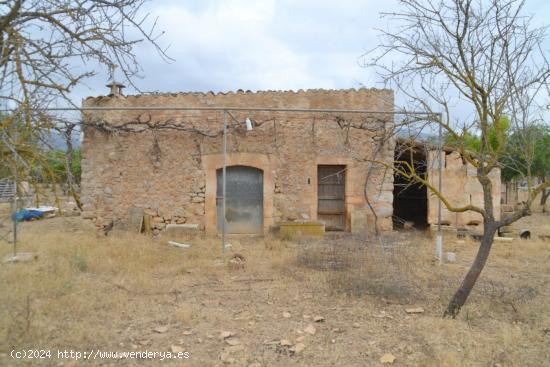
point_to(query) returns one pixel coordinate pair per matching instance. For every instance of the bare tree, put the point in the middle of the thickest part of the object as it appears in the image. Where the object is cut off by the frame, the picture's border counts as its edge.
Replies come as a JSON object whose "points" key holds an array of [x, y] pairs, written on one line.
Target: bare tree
{"points": [[43, 40], [47, 47], [484, 55]]}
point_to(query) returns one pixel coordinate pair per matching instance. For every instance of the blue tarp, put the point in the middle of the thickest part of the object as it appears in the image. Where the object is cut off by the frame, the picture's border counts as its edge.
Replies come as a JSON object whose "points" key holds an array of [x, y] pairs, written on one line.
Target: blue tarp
{"points": [[24, 215]]}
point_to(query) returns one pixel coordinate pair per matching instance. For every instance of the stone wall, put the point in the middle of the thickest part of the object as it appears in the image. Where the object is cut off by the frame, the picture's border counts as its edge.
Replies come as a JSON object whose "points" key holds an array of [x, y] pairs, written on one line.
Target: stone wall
{"points": [[170, 173], [513, 195], [460, 187]]}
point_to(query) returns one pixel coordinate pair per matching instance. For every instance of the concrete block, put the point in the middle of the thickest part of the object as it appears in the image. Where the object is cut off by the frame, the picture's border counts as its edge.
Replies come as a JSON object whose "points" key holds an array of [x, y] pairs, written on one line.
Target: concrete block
{"points": [[175, 230], [20, 257], [503, 239], [179, 245], [301, 229], [450, 257]]}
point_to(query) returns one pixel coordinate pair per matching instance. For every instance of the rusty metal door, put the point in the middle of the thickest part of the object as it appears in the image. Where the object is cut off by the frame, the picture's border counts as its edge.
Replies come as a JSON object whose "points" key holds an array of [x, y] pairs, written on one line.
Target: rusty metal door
{"points": [[244, 190], [331, 199]]}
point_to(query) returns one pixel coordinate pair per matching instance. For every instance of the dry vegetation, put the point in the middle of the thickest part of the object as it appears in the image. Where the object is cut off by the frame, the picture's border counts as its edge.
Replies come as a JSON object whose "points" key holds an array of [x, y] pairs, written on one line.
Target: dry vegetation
{"points": [[113, 293]]}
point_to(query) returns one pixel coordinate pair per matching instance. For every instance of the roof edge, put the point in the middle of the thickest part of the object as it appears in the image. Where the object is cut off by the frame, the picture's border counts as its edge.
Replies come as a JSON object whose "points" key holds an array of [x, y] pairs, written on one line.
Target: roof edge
{"points": [[243, 92]]}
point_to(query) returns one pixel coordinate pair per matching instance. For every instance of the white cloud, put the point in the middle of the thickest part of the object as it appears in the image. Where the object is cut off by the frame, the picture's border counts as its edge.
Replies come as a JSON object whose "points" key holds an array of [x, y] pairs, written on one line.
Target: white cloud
{"points": [[237, 44], [263, 44]]}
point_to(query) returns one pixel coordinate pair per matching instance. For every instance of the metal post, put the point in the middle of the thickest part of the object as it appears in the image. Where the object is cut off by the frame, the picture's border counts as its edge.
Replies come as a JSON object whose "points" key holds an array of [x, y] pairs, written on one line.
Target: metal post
{"points": [[14, 216], [224, 177], [14, 211], [439, 237]]}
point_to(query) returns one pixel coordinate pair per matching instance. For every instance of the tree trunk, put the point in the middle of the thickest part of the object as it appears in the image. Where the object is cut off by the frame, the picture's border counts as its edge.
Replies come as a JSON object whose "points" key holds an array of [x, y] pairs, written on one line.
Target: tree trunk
{"points": [[461, 295], [543, 197], [68, 132]]}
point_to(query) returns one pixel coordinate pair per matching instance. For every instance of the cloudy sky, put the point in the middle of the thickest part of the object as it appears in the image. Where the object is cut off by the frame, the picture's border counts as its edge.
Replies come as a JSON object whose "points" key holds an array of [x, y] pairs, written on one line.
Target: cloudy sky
{"points": [[263, 44]]}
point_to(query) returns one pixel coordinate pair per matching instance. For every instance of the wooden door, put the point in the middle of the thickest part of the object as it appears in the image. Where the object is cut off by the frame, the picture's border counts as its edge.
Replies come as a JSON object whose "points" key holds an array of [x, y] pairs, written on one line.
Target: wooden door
{"points": [[331, 196]]}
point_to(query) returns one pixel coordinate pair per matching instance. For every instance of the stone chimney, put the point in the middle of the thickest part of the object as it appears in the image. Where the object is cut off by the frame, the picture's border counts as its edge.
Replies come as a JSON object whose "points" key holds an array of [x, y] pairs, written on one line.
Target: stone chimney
{"points": [[116, 88]]}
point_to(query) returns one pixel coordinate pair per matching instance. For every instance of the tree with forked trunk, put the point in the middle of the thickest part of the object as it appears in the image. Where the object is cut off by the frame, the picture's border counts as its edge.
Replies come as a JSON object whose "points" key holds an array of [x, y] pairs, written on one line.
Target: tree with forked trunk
{"points": [[476, 65]]}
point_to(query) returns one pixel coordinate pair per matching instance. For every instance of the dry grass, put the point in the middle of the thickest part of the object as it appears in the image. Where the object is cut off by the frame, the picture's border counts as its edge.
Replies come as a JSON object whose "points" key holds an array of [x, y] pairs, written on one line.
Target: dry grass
{"points": [[93, 292]]}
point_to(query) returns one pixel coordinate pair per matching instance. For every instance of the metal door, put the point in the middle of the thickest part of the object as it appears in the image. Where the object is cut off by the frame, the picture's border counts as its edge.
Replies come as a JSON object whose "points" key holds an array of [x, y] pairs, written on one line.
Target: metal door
{"points": [[331, 196], [244, 191]]}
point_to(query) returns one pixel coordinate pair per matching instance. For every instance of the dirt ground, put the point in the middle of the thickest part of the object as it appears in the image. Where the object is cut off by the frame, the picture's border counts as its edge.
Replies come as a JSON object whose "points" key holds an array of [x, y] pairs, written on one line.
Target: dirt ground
{"points": [[339, 301]]}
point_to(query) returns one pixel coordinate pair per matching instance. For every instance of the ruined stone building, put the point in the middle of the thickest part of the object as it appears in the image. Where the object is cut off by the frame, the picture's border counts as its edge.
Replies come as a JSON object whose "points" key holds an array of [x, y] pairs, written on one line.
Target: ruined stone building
{"points": [[413, 202], [273, 170], [515, 192], [290, 166]]}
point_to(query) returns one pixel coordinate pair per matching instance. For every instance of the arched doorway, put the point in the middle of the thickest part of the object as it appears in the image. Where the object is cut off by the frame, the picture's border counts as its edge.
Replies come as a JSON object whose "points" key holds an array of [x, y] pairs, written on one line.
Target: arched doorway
{"points": [[244, 199]]}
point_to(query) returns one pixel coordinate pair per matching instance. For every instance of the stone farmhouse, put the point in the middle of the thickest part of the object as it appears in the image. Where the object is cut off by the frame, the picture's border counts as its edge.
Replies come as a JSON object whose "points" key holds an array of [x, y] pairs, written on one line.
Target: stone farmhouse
{"points": [[285, 166]]}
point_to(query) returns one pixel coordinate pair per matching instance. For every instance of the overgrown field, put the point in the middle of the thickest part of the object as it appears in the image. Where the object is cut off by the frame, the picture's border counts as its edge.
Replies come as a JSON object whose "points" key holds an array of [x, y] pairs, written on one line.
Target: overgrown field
{"points": [[325, 302]]}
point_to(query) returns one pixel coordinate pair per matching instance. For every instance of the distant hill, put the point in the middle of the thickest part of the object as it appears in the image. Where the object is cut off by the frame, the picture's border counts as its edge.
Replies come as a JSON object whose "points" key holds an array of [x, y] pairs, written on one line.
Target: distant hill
{"points": [[57, 141]]}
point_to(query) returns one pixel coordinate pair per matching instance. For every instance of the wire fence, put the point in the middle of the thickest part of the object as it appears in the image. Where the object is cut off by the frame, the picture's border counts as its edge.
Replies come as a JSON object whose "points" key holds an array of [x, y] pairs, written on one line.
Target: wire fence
{"points": [[356, 266]]}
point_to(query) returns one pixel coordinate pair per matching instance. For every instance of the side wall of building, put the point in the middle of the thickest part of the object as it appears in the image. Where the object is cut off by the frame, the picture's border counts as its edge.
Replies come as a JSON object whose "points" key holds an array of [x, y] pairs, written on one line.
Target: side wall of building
{"points": [[513, 194], [461, 187], [171, 173]]}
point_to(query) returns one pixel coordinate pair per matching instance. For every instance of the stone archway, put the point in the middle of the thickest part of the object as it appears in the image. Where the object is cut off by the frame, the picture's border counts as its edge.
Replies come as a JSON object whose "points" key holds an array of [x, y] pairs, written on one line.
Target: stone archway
{"points": [[244, 200], [213, 162]]}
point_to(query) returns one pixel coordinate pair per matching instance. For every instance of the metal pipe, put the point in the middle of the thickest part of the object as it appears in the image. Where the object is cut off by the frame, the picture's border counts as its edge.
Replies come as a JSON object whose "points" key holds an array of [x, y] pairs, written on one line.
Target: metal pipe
{"points": [[14, 215], [439, 239], [14, 209], [224, 177]]}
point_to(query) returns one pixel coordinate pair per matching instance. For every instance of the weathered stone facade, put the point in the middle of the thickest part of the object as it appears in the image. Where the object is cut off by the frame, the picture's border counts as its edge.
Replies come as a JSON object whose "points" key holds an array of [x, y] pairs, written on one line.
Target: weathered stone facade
{"points": [[171, 173], [460, 187]]}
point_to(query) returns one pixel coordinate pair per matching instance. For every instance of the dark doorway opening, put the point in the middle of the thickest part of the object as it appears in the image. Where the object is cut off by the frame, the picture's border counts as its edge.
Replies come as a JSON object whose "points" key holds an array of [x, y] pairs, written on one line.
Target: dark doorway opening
{"points": [[331, 196], [410, 199]]}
